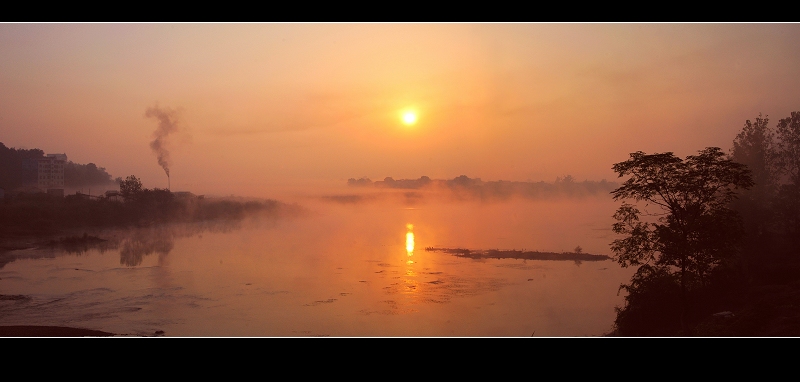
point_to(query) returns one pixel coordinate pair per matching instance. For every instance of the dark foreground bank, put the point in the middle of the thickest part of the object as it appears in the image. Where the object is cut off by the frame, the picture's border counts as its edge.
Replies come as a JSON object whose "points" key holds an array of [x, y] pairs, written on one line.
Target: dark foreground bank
{"points": [[50, 331]]}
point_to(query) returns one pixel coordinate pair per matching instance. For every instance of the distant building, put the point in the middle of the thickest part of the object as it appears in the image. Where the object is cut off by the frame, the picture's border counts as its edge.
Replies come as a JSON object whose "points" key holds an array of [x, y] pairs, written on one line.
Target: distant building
{"points": [[184, 195], [81, 196], [51, 173], [114, 196]]}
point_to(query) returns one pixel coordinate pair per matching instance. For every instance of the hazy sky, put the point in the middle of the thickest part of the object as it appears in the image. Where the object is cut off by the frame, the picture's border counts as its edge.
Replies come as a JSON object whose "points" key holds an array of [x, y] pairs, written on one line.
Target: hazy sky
{"points": [[259, 106]]}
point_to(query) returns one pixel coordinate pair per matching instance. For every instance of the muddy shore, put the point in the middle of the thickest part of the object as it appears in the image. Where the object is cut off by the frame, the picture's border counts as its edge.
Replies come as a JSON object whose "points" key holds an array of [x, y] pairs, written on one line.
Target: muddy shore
{"points": [[50, 331]]}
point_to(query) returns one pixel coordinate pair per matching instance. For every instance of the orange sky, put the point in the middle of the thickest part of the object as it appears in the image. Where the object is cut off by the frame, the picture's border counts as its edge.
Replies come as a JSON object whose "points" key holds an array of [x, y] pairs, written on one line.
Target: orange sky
{"points": [[262, 106]]}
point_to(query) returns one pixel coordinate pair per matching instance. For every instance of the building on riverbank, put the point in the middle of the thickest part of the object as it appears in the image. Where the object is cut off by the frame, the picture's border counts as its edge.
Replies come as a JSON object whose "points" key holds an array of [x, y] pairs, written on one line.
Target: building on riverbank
{"points": [[114, 196], [51, 173]]}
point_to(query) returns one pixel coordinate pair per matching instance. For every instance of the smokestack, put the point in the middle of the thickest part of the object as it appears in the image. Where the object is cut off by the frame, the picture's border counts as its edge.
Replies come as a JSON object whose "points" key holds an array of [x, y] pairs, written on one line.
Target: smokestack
{"points": [[167, 123]]}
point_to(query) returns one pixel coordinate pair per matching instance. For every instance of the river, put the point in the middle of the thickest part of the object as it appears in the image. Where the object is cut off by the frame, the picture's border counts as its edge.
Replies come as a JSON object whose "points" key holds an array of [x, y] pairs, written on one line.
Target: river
{"points": [[346, 267]]}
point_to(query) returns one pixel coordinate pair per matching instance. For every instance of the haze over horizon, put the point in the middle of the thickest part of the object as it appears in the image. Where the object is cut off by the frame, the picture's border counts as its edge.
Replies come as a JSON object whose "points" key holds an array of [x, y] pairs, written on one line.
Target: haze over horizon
{"points": [[257, 107]]}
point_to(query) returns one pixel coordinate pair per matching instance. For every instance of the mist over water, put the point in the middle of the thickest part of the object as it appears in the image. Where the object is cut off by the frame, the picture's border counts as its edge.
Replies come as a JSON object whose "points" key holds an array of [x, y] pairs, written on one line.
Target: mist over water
{"points": [[460, 138], [340, 269]]}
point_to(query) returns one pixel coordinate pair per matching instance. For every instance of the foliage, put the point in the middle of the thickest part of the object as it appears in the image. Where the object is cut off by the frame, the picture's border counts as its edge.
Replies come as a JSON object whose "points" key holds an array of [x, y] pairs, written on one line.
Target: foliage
{"points": [[18, 167], [130, 188], [652, 305], [771, 209], [788, 148], [43, 214], [787, 201], [81, 175], [746, 284], [754, 146], [693, 196], [694, 229]]}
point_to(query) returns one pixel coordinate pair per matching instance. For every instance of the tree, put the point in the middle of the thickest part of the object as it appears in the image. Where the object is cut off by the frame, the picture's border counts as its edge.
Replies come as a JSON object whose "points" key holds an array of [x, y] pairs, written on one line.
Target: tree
{"points": [[771, 209], [788, 147], [787, 202], [693, 228], [130, 188], [755, 147]]}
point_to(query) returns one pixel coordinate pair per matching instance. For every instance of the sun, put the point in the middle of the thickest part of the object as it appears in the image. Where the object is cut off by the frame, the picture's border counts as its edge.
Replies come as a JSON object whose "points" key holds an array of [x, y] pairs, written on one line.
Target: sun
{"points": [[409, 117]]}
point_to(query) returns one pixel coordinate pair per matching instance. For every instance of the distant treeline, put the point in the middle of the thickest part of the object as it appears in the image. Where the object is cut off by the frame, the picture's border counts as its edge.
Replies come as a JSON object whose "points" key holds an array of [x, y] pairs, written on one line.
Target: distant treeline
{"points": [[20, 167], [43, 214], [465, 187]]}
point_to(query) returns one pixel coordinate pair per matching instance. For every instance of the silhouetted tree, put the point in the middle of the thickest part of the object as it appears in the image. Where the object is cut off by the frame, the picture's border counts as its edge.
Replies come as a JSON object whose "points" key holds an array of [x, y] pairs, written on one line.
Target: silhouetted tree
{"points": [[82, 175], [754, 146], [652, 305], [695, 228], [18, 167], [787, 202], [788, 147], [130, 188], [771, 209]]}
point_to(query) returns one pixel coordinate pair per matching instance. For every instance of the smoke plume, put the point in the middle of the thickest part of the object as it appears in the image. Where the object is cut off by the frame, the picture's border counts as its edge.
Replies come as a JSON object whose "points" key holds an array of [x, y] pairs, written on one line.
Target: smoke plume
{"points": [[167, 123]]}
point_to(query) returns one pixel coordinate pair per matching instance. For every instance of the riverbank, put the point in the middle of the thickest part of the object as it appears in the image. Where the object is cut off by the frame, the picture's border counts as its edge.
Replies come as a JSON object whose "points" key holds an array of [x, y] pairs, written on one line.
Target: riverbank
{"points": [[50, 331]]}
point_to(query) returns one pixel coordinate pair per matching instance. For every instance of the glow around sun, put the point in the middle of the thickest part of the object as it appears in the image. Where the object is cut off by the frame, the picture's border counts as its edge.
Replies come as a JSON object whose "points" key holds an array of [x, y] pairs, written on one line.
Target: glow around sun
{"points": [[409, 117]]}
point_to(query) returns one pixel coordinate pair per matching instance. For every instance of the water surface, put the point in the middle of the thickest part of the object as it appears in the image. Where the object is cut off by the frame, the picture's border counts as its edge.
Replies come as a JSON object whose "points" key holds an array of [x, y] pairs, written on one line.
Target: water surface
{"points": [[348, 268]]}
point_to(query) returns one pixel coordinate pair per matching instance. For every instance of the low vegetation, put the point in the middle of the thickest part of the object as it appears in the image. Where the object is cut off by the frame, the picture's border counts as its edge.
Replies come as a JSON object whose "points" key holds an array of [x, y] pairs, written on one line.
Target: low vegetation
{"points": [[43, 214]]}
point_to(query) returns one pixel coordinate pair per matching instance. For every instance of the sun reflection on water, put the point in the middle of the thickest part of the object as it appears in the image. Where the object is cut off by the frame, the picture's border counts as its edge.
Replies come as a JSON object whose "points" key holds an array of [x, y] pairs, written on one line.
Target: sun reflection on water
{"points": [[410, 241], [411, 285]]}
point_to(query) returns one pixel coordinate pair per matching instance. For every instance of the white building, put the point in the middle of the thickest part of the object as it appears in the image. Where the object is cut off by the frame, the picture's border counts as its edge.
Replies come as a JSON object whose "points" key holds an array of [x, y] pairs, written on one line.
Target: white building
{"points": [[51, 172]]}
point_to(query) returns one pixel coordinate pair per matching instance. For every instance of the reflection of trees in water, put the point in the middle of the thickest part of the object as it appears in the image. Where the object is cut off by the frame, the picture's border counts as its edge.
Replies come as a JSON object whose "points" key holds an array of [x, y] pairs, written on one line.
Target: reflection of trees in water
{"points": [[78, 245], [142, 243], [137, 244], [133, 244]]}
